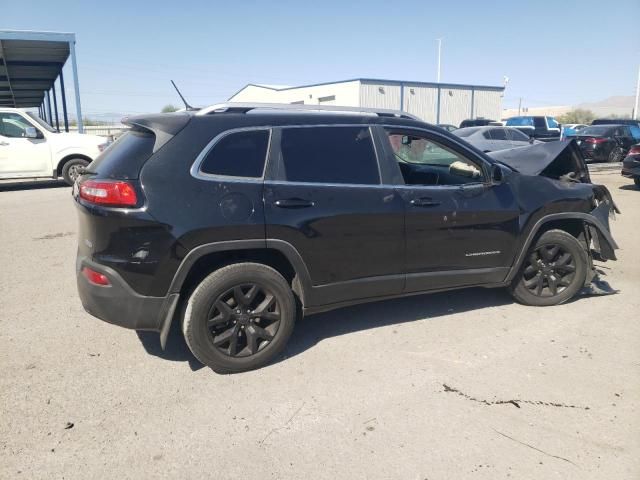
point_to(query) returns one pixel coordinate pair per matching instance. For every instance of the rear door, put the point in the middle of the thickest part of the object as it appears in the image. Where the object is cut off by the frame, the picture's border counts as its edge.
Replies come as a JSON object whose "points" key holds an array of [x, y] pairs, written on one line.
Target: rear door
{"points": [[323, 196]]}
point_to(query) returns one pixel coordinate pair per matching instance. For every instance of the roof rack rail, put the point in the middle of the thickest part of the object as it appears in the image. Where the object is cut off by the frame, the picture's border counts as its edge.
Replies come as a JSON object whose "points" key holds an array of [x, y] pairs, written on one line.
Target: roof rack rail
{"points": [[240, 107]]}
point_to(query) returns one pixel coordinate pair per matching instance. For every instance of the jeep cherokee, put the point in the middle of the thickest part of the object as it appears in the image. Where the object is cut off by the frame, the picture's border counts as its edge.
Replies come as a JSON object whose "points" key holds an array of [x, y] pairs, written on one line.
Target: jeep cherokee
{"points": [[237, 219]]}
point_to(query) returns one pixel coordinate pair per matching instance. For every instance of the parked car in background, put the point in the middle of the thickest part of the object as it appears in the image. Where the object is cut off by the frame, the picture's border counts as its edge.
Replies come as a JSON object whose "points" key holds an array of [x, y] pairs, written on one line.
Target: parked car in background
{"points": [[478, 122], [236, 223], [491, 139], [631, 164], [541, 128], [31, 148], [571, 129], [606, 143], [447, 127], [616, 121]]}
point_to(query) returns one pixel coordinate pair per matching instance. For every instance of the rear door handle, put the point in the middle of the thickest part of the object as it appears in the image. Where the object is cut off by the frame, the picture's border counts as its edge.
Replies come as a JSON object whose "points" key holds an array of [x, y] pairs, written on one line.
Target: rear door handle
{"points": [[293, 203], [424, 202]]}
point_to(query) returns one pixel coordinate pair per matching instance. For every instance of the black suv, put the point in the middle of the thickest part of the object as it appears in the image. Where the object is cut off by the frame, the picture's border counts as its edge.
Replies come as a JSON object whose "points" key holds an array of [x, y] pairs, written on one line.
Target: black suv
{"points": [[237, 219]]}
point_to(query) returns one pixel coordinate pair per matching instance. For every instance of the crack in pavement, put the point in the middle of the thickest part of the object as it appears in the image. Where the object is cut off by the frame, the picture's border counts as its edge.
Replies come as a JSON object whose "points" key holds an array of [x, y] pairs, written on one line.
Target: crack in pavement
{"points": [[535, 448], [273, 430], [515, 402]]}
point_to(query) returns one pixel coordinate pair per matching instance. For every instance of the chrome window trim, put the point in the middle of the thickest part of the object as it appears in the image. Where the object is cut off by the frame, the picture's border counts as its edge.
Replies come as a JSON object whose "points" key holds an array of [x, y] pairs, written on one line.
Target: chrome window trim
{"points": [[196, 171]]}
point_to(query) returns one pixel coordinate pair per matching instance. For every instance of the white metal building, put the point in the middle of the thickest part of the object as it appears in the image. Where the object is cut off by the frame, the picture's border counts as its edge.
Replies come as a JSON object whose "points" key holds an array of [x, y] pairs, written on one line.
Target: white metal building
{"points": [[432, 102]]}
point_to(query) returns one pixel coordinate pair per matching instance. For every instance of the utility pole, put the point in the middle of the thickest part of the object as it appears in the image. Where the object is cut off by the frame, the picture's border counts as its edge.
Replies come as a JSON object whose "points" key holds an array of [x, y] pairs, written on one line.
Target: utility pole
{"points": [[635, 109], [439, 55], [519, 106]]}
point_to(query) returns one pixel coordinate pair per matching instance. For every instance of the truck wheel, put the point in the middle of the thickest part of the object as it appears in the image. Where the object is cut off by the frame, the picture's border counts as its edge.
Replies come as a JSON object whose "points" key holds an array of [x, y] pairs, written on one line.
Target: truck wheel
{"points": [[616, 155], [72, 169], [554, 270], [239, 317]]}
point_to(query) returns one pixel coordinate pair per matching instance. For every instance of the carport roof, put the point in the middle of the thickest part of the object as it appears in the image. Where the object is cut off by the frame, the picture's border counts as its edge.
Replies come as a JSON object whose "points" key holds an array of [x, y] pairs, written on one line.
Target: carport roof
{"points": [[30, 63]]}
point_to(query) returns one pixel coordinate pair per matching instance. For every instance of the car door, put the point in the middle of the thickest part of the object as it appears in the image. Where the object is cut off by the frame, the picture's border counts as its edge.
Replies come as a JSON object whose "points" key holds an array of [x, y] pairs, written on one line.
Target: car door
{"points": [[323, 196], [460, 229], [21, 156]]}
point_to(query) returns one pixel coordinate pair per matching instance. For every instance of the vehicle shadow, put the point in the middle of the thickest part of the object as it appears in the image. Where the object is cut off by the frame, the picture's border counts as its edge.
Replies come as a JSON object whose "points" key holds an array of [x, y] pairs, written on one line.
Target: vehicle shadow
{"points": [[315, 328], [629, 187], [31, 185]]}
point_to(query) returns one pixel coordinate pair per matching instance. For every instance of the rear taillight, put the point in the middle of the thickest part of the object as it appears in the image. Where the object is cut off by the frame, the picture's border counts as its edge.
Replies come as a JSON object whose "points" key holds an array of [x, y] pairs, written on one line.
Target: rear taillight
{"points": [[94, 277], [113, 193], [595, 141], [635, 150]]}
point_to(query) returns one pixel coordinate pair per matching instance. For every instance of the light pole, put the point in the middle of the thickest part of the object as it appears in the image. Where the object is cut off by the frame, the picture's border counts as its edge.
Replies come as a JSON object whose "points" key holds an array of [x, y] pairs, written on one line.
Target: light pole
{"points": [[439, 55]]}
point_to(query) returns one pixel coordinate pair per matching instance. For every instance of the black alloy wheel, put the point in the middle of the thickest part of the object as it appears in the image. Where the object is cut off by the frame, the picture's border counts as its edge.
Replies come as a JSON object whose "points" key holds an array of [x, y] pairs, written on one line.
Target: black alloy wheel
{"points": [[244, 320], [549, 270], [553, 271]]}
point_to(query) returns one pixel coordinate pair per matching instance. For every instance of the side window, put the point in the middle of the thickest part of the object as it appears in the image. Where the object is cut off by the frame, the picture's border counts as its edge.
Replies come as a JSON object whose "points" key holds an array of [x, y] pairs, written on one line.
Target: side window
{"points": [[551, 122], [424, 161], [239, 154], [635, 132], [486, 134], [13, 125], [328, 155], [517, 135], [498, 134], [539, 122]]}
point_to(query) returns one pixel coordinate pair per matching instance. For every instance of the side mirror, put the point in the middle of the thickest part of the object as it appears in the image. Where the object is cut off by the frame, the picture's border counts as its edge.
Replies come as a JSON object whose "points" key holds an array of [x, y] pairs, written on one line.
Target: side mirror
{"points": [[497, 175], [31, 132]]}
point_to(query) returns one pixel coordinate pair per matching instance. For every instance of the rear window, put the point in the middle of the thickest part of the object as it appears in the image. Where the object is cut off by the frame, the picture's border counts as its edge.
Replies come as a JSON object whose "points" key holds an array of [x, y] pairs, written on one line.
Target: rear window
{"points": [[328, 155], [239, 154], [124, 158], [599, 130], [498, 134]]}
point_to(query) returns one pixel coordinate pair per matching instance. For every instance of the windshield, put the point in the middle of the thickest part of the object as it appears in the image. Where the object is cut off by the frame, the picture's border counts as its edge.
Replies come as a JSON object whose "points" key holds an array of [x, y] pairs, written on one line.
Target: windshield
{"points": [[41, 123], [596, 131]]}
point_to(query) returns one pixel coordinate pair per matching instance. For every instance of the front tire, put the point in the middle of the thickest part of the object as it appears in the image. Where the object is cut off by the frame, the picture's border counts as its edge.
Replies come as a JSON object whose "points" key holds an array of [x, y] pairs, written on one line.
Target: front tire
{"points": [[71, 170], [239, 317], [616, 155], [554, 270]]}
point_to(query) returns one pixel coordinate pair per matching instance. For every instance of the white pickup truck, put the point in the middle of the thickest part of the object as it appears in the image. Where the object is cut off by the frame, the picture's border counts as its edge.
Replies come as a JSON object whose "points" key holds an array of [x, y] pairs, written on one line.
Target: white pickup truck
{"points": [[30, 148]]}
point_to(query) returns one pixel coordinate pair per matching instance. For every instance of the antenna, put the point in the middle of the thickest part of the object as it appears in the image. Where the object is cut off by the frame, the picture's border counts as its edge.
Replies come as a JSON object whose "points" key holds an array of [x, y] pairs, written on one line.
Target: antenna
{"points": [[186, 105]]}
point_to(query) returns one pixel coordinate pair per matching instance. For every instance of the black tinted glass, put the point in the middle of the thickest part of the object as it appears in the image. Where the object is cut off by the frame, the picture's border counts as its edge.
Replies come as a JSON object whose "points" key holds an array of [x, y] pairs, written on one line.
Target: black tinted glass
{"points": [[124, 158], [329, 155], [498, 134], [240, 154]]}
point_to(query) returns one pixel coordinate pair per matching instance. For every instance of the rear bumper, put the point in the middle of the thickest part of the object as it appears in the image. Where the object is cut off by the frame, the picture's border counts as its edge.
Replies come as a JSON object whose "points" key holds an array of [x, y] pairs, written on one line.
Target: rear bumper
{"points": [[118, 303]]}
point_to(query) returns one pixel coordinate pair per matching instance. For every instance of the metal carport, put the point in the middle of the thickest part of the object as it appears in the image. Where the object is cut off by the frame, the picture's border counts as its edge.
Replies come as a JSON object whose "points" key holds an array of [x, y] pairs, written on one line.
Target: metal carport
{"points": [[30, 64]]}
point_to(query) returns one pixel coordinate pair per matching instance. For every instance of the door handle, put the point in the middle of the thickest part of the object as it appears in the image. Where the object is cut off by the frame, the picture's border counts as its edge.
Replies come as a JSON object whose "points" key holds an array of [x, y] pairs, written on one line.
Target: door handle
{"points": [[293, 203], [424, 202], [4, 144]]}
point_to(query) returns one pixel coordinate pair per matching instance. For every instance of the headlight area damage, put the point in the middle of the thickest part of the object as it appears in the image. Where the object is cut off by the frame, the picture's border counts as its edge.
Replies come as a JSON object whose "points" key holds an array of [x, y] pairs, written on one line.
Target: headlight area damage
{"points": [[563, 161]]}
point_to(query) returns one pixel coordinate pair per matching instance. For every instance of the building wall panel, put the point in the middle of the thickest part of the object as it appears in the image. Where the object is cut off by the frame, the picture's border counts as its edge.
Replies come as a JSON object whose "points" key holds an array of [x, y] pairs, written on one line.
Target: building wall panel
{"points": [[455, 105], [487, 104], [380, 96], [421, 102]]}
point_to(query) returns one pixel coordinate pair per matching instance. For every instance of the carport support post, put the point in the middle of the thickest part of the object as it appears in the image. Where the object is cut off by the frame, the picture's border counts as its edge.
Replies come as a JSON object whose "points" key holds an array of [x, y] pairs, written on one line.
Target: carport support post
{"points": [[55, 105], [64, 103], [76, 85], [49, 108]]}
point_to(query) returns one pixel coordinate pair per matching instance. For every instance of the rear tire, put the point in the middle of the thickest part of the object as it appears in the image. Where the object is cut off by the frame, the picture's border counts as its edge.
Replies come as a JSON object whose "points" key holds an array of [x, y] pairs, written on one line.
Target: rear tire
{"points": [[554, 270], [71, 170], [239, 317]]}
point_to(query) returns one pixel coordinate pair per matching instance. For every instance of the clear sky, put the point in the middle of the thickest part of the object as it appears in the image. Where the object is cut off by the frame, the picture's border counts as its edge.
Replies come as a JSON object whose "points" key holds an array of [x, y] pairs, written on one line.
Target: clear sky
{"points": [[554, 52]]}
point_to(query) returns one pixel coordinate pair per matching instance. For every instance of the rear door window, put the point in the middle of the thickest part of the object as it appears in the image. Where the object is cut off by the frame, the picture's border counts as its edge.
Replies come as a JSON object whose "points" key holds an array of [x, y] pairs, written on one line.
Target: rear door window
{"points": [[238, 154], [517, 135], [343, 155], [498, 134]]}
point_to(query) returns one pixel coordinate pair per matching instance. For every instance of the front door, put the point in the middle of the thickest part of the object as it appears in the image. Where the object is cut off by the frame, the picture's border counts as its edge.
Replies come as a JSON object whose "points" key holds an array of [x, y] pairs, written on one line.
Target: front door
{"points": [[323, 196], [460, 229], [21, 156]]}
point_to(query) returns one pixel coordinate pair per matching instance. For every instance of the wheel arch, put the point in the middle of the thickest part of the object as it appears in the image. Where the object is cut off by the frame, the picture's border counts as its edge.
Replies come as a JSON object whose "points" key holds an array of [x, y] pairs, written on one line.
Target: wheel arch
{"points": [[574, 223], [71, 156]]}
